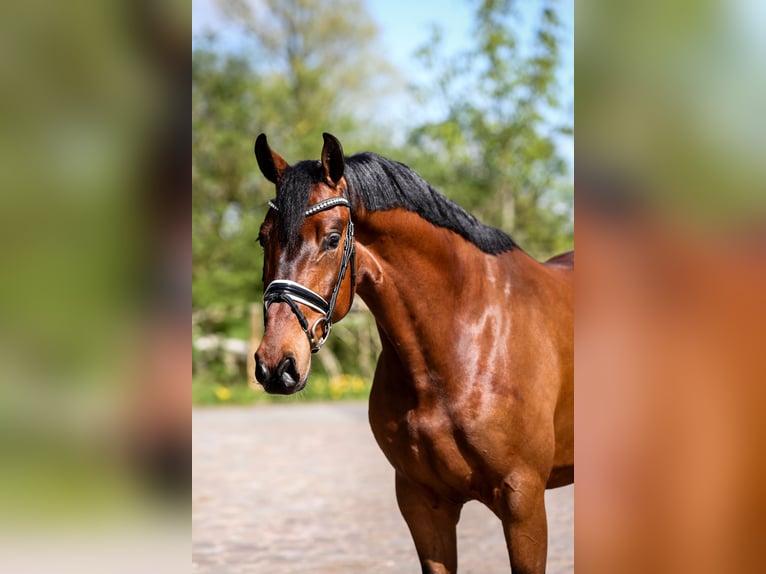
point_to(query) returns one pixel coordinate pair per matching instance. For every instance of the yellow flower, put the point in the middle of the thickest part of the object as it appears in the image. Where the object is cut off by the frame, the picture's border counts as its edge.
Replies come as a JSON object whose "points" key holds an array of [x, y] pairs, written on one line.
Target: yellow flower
{"points": [[222, 393], [345, 384], [337, 387]]}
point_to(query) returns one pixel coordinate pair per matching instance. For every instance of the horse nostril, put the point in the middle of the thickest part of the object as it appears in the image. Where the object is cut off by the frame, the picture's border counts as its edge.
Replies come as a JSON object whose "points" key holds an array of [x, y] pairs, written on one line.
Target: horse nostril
{"points": [[288, 372], [261, 371]]}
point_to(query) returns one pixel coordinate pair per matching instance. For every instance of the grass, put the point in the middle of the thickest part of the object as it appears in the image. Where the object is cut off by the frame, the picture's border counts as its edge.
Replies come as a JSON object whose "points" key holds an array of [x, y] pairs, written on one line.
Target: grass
{"points": [[319, 388]]}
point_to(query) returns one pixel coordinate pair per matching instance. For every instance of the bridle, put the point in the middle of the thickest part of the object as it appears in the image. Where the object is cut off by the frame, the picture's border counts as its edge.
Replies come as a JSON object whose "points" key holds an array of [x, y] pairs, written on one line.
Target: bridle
{"points": [[292, 293]]}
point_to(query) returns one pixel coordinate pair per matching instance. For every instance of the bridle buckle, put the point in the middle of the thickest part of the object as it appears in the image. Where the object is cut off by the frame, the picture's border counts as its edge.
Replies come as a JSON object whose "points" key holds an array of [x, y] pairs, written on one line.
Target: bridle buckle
{"points": [[318, 342]]}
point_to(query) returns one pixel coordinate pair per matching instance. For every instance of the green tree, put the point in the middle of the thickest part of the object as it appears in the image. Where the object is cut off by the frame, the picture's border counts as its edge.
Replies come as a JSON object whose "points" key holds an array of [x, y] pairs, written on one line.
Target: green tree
{"points": [[320, 57], [226, 199], [494, 149]]}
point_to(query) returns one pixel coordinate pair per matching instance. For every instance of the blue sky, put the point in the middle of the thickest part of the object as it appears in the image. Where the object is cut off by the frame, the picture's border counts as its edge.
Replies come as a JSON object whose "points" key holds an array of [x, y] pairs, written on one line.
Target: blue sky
{"points": [[405, 26]]}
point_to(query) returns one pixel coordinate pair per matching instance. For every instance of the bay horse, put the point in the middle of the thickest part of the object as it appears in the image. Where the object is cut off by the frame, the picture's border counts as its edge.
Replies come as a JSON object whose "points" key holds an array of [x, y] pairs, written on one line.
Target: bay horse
{"points": [[472, 397]]}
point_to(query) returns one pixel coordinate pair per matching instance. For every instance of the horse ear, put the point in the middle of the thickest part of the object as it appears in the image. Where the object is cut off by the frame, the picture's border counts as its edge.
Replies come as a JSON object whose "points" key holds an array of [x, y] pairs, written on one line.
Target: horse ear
{"points": [[271, 163], [332, 159]]}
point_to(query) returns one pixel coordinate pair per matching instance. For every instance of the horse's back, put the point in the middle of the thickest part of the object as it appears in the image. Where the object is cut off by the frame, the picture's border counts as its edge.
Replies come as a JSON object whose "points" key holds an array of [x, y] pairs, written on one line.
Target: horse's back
{"points": [[562, 260]]}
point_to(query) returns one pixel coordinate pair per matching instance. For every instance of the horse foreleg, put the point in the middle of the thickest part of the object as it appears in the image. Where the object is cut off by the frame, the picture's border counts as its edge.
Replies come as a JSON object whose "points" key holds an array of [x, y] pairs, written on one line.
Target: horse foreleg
{"points": [[525, 524], [432, 522]]}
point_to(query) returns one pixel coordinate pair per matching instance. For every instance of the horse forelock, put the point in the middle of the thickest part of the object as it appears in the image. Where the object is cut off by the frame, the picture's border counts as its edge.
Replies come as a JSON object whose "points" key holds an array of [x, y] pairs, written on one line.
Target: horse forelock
{"points": [[293, 193]]}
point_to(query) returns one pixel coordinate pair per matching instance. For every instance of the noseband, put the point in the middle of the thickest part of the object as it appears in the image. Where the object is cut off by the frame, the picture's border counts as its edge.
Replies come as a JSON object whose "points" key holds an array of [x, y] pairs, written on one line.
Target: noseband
{"points": [[292, 293]]}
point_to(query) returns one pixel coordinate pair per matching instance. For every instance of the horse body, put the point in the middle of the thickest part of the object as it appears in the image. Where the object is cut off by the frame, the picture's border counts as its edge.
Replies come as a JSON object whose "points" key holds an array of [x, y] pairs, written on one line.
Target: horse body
{"points": [[473, 392], [472, 397]]}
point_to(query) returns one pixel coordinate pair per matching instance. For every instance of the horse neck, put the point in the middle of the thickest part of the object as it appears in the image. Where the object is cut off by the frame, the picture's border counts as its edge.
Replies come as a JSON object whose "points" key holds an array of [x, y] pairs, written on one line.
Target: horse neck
{"points": [[422, 284]]}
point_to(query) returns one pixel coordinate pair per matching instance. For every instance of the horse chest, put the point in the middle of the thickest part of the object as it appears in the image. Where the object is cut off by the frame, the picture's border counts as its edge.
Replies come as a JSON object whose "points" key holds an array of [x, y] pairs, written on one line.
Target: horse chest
{"points": [[422, 444]]}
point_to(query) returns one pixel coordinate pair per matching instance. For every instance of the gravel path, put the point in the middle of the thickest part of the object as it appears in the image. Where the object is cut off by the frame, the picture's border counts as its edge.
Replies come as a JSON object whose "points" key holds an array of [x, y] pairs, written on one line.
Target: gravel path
{"points": [[303, 488]]}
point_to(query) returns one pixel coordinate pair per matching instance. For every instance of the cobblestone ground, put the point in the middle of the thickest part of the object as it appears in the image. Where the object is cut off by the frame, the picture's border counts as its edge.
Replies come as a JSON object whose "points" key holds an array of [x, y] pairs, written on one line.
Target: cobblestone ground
{"points": [[303, 488]]}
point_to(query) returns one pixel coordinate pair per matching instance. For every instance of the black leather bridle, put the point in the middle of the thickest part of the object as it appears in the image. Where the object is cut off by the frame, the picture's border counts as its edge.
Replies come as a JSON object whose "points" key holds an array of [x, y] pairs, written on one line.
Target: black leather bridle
{"points": [[293, 294]]}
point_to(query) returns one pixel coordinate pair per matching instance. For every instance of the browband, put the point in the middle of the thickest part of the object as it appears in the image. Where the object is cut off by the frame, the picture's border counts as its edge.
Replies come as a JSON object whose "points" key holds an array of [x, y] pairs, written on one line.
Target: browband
{"points": [[319, 206]]}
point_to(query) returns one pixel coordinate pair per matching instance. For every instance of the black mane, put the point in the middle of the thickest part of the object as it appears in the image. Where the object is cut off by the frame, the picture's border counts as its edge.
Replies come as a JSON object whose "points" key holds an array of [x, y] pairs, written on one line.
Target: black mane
{"points": [[383, 184], [380, 184]]}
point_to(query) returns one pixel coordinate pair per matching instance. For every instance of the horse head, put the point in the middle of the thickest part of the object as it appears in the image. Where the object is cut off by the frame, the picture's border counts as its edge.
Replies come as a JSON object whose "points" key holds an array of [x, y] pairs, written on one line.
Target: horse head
{"points": [[309, 262]]}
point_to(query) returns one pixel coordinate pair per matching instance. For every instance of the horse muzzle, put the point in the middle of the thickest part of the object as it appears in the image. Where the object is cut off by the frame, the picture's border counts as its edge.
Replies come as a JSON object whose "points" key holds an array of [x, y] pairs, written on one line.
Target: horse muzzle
{"points": [[282, 379]]}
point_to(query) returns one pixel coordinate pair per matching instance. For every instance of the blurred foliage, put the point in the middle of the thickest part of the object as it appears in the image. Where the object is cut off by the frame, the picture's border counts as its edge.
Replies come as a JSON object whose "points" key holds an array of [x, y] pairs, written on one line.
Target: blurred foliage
{"points": [[94, 294], [683, 115], [227, 198], [495, 150]]}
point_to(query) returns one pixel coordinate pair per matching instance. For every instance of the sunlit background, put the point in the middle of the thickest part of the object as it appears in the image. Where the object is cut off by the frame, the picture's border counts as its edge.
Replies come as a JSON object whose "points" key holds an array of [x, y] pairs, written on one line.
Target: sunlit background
{"points": [[94, 347], [475, 96]]}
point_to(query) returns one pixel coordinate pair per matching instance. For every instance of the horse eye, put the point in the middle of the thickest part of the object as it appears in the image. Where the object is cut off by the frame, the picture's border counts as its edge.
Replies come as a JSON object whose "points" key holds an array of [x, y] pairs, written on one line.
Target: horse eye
{"points": [[261, 240], [333, 240]]}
